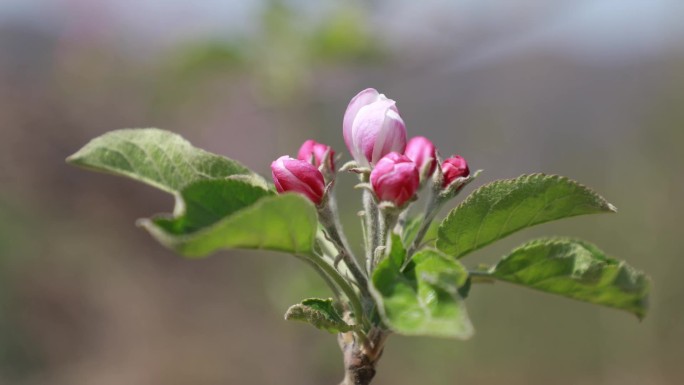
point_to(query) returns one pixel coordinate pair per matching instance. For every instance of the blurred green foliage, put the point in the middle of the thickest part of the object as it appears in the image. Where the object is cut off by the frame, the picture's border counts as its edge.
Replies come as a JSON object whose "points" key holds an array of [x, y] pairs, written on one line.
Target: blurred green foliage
{"points": [[18, 356], [281, 56]]}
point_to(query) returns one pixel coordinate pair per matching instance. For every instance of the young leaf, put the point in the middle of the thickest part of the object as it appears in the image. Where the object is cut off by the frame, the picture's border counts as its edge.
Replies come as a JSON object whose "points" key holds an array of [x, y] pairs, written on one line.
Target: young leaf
{"points": [[285, 223], [423, 299], [156, 157], [503, 207], [575, 269], [320, 313]]}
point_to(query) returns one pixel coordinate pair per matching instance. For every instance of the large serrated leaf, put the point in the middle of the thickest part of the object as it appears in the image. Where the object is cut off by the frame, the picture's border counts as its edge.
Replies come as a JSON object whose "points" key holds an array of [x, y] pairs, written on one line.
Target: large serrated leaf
{"points": [[578, 270], [320, 313], [503, 207], [285, 223], [219, 202], [156, 157], [423, 299]]}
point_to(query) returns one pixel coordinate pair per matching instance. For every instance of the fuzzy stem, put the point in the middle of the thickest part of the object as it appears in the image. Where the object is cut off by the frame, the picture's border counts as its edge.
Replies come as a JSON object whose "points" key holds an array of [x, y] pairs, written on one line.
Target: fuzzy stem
{"points": [[387, 221], [327, 249], [372, 227], [328, 281], [330, 222], [349, 292], [431, 209], [401, 221], [360, 359], [340, 231]]}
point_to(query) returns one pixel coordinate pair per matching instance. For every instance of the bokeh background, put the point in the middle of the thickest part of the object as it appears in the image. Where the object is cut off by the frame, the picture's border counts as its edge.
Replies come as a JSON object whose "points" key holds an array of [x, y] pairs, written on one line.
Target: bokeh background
{"points": [[590, 89]]}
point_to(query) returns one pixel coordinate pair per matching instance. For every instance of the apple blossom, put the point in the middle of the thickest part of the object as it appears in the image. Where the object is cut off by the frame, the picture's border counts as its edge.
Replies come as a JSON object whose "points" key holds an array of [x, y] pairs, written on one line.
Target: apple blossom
{"points": [[372, 127], [298, 176], [395, 179]]}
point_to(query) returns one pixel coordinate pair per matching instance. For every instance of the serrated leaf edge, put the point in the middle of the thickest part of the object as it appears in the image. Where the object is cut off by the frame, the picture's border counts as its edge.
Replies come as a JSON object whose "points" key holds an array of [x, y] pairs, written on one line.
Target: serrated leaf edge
{"points": [[558, 240], [76, 159], [476, 194]]}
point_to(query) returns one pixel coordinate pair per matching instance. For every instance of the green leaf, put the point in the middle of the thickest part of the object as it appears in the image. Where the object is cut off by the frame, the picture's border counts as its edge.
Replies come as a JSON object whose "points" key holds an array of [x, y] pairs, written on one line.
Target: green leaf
{"points": [[503, 207], [156, 157], [219, 202], [578, 270], [286, 223], [413, 226], [320, 313], [423, 299], [205, 202]]}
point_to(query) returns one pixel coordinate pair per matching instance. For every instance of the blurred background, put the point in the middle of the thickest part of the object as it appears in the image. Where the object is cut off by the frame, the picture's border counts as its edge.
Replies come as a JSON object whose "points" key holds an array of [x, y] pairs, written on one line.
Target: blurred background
{"points": [[590, 89]]}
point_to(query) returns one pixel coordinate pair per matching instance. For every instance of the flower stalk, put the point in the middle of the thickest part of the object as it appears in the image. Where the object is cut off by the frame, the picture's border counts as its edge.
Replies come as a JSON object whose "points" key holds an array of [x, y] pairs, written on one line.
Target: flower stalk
{"points": [[372, 221], [328, 216], [221, 204], [345, 287], [392, 172]]}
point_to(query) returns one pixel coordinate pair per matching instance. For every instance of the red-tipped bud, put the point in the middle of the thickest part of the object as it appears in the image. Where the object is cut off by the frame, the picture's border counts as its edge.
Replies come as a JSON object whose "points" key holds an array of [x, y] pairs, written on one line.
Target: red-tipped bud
{"points": [[316, 151], [395, 179], [372, 127], [299, 176], [454, 168], [422, 152]]}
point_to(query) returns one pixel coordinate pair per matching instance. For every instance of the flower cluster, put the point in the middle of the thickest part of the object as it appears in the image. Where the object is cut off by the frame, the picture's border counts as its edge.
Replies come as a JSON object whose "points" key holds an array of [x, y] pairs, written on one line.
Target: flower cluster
{"points": [[375, 135]]}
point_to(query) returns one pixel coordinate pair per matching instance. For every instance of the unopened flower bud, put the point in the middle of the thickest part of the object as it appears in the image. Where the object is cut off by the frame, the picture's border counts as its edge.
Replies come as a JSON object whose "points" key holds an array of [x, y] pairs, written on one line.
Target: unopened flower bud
{"points": [[372, 127], [312, 150], [422, 152], [454, 168], [395, 179], [298, 176]]}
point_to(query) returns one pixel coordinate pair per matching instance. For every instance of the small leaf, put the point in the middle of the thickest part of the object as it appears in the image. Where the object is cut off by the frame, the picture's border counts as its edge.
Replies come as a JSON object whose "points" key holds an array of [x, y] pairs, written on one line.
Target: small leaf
{"points": [[423, 299], [320, 313], [503, 207], [578, 270], [156, 157], [286, 223]]}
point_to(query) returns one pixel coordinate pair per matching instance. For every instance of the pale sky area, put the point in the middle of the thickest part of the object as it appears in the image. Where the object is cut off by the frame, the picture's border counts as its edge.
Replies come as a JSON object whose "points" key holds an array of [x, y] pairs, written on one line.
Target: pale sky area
{"points": [[593, 30]]}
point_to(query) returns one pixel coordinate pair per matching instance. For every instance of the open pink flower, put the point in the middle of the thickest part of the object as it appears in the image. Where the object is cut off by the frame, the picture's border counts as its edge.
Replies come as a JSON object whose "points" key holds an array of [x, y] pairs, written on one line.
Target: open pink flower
{"points": [[372, 127], [395, 179], [299, 176]]}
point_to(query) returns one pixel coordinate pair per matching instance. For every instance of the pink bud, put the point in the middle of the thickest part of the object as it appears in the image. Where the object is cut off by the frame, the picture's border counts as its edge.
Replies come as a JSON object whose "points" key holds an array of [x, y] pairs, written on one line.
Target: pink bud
{"points": [[372, 127], [453, 168], [298, 176], [311, 148], [422, 152], [395, 179]]}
